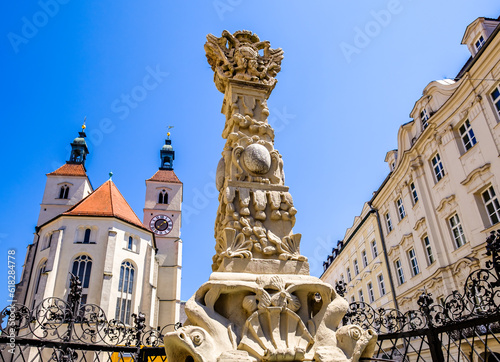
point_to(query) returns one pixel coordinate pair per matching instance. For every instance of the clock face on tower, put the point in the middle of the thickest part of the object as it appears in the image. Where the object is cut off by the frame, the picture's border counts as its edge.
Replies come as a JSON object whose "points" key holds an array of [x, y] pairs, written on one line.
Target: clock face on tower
{"points": [[161, 224]]}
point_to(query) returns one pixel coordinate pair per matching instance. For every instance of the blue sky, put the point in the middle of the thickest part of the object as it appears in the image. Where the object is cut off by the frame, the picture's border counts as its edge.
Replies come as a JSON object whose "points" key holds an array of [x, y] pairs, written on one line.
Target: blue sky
{"points": [[351, 74]]}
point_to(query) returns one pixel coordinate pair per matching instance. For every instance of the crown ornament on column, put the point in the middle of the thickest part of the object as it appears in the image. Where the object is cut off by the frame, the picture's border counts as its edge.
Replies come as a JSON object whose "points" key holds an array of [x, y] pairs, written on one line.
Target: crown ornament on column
{"points": [[242, 56]]}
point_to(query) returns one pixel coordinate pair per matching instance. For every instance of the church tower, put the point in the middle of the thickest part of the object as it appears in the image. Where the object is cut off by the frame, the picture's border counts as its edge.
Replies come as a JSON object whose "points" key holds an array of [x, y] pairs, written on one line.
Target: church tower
{"points": [[68, 184], [162, 215]]}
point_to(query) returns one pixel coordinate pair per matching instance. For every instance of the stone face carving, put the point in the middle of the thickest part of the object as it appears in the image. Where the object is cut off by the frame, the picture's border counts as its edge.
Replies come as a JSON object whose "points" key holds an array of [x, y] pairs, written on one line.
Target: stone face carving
{"points": [[260, 304]]}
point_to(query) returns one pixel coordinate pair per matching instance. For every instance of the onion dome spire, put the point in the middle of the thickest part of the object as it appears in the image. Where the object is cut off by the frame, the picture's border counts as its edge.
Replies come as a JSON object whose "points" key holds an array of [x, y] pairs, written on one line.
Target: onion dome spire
{"points": [[79, 150], [167, 153]]}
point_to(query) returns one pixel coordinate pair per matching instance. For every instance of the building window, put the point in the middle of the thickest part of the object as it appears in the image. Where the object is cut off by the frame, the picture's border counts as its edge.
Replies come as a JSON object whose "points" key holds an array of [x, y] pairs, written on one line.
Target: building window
{"points": [[361, 297], [399, 271], [381, 284], [82, 266], [349, 276], [414, 194], [48, 241], [457, 231], [428, 249], [41, 270], [424, 117], [353, 299], [495, 97], [401, 209], [130, 243], [479, 42], [413, 262], [63, 192], [163, 197], [467, 135], [371, 296], [86, 236], [364, 258], [125, 291], [356, 267], [491, 204], [374, 249], [388, 223], [437, 166]]}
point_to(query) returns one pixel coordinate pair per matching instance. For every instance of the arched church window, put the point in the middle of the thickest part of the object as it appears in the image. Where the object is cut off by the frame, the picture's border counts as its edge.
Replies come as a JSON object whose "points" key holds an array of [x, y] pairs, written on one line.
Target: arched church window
{"points": [[82, 266], [41, 270], [86, 237], [63, 192], [48, 241], [125, 292], [163, 197]]}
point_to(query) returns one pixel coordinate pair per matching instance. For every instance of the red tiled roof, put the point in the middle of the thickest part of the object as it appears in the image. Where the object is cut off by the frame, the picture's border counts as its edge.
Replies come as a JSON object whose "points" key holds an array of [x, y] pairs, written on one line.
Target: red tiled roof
{"points": [[165, 176], [69, 169], [105, 201]]}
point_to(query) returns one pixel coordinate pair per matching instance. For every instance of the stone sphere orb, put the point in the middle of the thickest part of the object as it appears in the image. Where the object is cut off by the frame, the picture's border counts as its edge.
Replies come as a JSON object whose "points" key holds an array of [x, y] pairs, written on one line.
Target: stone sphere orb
{"points": [[257, 159]]}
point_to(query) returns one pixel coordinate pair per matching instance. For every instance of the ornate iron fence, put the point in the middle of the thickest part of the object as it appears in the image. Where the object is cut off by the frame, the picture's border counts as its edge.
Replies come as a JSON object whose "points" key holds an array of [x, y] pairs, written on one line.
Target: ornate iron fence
{"points": [[464, 327], [60, 330]]}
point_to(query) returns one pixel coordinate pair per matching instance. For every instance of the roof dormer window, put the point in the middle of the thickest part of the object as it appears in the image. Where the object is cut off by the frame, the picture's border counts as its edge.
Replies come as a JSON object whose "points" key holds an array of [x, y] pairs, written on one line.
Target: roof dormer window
{"points": [[424, 117], [479, 43]]}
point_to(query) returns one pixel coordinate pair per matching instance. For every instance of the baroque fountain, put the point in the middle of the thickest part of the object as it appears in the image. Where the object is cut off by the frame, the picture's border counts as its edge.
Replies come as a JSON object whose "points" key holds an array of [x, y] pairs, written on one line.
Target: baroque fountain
{"points": [[260, 303]]}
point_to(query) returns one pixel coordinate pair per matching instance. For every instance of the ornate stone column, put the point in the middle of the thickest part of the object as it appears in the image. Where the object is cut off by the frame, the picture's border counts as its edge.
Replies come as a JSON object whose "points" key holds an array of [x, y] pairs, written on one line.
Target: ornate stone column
{"points": [[260, 304]]}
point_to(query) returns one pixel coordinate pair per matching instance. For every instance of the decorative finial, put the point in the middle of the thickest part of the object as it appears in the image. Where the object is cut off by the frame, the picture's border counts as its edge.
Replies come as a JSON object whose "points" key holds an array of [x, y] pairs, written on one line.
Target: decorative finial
{"points": [[242, 56], [110, 176], [168, 133], [83, 125]]}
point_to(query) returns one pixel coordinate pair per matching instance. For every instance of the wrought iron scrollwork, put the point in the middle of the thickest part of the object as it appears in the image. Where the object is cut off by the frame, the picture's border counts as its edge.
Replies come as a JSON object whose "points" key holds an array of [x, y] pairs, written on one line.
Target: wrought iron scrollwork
{"points": [[479, 298], [58, 320]]}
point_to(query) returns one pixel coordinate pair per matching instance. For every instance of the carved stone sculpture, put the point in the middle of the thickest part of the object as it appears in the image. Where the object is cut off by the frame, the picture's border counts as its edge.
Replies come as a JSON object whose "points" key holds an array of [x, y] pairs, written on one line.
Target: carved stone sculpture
{"points": [[260, 304]]}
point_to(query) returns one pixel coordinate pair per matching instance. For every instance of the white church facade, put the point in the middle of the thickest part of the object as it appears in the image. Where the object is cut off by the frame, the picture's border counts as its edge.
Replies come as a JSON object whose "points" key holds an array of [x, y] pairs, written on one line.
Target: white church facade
{"points": [[125, 265]]}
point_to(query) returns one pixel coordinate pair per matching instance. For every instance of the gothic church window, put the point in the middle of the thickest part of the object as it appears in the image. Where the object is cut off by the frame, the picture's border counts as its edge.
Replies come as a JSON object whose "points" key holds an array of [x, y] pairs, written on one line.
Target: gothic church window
{"points": [[63, 192], [82, 267], [86, 237], [41, 270], [163, 197], [125, 292]]}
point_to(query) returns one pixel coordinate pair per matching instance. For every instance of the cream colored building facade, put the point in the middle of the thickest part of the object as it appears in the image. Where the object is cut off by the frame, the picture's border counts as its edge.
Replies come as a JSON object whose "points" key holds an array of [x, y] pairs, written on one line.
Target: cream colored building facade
{"points": [[125, 265], [360, 263], [441, 198]]}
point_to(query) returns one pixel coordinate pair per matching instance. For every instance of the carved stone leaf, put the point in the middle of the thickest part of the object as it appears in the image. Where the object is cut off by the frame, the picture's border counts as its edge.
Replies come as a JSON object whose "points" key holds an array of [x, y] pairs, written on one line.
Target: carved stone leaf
{"points": [[238, 245]]}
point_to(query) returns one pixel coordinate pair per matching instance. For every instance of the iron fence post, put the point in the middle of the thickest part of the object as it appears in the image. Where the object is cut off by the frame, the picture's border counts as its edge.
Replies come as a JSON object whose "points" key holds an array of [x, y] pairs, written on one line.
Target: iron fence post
{"points": [[74, 299], [425, 301], [139, 326]]}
